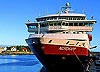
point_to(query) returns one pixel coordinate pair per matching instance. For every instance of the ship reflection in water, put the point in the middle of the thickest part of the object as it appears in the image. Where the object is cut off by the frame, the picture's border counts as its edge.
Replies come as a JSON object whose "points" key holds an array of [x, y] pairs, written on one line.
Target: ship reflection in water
{"points": [[19, 63]]}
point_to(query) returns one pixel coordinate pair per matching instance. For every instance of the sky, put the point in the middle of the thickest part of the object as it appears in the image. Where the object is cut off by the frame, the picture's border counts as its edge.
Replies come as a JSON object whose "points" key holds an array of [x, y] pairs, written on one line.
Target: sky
{"points": [[14, 14]]}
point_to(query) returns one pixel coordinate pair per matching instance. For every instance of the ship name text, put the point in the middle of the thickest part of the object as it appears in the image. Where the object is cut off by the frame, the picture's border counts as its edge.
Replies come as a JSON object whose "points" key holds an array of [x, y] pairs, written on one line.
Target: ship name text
{"points": [[67, 48]]}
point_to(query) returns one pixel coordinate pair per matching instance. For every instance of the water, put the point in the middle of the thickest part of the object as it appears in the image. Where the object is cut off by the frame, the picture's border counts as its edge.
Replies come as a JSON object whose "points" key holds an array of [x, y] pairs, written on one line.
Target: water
{"points": [[19, 63]]}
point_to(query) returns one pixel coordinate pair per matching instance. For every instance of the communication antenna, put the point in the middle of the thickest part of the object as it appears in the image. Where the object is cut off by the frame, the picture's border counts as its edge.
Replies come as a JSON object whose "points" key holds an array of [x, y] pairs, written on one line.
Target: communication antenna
{"points": [[65, 9]]}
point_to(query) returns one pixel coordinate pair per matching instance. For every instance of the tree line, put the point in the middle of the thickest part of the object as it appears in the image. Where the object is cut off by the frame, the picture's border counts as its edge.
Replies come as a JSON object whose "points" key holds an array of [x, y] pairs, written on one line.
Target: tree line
{"points": [[19, 47]]}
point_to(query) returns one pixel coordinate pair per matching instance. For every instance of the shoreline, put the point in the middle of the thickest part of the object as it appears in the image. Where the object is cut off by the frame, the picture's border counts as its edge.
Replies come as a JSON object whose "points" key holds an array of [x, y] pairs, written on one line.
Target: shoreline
{"points": [[17, 53]]}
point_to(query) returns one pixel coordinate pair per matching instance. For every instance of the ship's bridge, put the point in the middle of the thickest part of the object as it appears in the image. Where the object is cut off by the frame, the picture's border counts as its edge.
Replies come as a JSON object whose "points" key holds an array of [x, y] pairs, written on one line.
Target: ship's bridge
{"points": [[64, 21], [61, 25]]}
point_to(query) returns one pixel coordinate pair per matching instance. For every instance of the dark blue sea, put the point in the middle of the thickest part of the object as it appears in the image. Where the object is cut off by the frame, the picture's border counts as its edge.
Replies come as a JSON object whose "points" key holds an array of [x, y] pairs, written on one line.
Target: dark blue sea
{"points": [[19, 63]]}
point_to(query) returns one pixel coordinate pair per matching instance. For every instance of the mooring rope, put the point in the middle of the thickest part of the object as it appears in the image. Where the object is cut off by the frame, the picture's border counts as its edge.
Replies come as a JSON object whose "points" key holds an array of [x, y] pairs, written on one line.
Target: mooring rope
{"points": [[78, 58]]}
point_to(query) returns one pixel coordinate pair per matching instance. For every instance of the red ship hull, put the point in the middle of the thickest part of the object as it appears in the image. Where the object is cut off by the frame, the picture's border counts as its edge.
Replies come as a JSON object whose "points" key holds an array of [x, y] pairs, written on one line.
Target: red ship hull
{"points": [[58, 57], [64, 50]]}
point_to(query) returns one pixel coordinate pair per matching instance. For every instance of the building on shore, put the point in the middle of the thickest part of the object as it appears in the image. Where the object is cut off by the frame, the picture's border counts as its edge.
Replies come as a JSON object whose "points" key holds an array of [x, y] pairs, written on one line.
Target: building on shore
{"points": [[13, 49]]}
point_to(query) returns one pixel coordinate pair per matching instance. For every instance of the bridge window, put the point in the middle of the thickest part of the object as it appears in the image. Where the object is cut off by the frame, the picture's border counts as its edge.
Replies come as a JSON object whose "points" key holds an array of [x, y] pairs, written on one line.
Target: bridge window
{"points": [[86, 24], [59, 24], [51, 24], [66, 18], [75, 24], [70, 18], [78, 18], [47, 18], [90, 24], [66, 24], [74, 18], [59, 17], [70, 24], [55, 24], [42, 25], [31, 26], [63, 24], [83, 18], [80, 24], [51, 18]]}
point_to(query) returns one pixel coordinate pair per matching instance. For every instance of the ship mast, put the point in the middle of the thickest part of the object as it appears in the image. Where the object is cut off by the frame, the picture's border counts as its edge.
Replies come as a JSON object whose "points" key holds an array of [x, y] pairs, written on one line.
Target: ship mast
{"points": [[65, 9]]}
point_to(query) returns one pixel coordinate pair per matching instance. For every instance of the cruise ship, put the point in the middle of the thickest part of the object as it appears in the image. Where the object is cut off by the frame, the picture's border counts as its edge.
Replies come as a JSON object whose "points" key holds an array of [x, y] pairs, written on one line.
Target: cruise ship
{"points": [[62, 39]]}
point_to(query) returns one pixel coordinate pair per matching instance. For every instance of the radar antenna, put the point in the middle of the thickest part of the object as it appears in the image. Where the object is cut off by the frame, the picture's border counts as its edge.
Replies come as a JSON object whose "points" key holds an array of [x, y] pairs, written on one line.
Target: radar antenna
{"points": [[67, 5], [65, 8]]}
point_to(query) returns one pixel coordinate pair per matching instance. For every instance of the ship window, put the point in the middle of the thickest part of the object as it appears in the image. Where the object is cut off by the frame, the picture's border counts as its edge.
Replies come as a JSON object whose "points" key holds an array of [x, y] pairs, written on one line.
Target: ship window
{"points": [[69, 18], [51, 24], [74, 32], [63, 17], [67, 42], [46, 24], [90, 24], [83, 44], [59, 17], [75, 24], [70, 24], [63, 24], [47, 18], [74, 18], [32, 27], [41, 19], [55, 24], [50, 41], [59, 24], [86, 24], [83, 18], [44, 19], [80, 24], [67, 32], [77, 43], [42, 25], [51, 18], [78, 18], [66, 18], [66, 24]]}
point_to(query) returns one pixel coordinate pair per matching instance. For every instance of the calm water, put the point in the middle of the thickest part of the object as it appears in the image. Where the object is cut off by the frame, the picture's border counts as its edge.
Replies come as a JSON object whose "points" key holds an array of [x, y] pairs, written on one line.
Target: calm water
{"points": [[19, 63]]}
